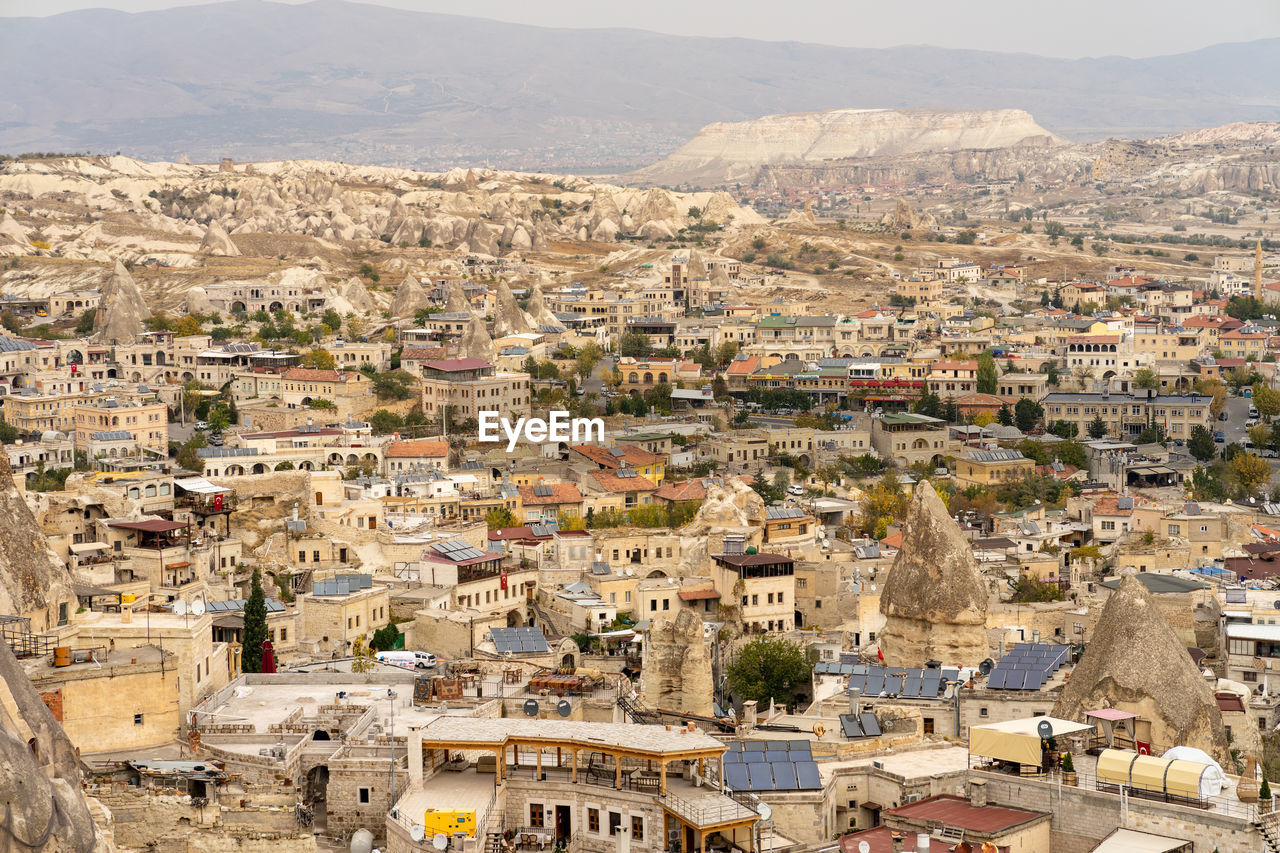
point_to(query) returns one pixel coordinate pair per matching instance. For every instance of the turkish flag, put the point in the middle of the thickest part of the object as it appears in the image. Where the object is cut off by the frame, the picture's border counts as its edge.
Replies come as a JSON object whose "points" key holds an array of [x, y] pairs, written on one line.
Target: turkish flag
{"points": [[1144, 748], [504, 580], [880, 654]]}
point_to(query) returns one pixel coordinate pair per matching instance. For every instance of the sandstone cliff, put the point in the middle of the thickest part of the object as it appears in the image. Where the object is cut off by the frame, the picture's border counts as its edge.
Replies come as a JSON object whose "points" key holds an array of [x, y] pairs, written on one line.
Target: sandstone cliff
{"points": [[1135, 662], [677, 667], [935, 598], [733, 151], [121, 309]]}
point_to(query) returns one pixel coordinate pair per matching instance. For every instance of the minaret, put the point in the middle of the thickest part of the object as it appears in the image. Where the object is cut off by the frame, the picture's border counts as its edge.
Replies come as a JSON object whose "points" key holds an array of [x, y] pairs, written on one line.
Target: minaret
{"points": [[1257, 272]]}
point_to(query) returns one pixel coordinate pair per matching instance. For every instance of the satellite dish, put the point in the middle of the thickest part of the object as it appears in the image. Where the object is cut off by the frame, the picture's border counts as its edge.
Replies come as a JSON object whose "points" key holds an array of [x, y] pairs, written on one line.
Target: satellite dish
{"points": [[563, 708], [864, 847], [531, 707], [1276, 604], [764, 811], [1044, 728], [197, 608], [440, 841], [417, 832], [986, 666], [949, 692], [180, 607]]}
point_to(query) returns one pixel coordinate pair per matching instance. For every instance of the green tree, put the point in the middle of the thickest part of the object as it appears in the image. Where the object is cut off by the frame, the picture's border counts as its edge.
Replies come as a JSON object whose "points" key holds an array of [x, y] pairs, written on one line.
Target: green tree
{"points": [[383, 422], [85, 324], [1052, 375], [500, 517], [385, 638], [1026, 413], [1064, 429], [1146, 378], [770, 668], [1201, 444], [362, 659], [318, 358], [587, 358], [255, 626], [634, 345], [1004, 417], [1097, 427], [988, 377], [219, 418], [1266, 400]]}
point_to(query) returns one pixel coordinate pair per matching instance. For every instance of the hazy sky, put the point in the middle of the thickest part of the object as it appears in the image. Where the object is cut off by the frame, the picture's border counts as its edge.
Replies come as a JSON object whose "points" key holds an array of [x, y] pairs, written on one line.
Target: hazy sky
{"points": [[1072, 29]]}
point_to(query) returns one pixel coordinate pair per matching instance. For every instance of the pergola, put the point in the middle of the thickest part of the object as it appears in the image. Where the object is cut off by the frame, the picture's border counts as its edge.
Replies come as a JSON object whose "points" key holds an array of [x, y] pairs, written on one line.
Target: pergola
{"points": [[653, 745]]}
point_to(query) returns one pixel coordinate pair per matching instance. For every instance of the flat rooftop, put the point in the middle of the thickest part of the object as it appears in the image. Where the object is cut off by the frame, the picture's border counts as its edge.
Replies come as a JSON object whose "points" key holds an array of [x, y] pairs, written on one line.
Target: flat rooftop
{"points": [[630, 737], [913, 764]]}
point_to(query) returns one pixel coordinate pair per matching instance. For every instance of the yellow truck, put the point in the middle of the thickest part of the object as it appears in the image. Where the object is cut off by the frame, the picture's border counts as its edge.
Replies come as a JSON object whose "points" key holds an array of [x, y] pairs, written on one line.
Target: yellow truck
{"points": [[450, 822]]}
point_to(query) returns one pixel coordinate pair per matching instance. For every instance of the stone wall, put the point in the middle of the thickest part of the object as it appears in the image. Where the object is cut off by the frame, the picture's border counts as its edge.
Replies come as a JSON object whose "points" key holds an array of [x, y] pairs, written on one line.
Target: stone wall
{"points": [[349, 776], [1082, 817]]}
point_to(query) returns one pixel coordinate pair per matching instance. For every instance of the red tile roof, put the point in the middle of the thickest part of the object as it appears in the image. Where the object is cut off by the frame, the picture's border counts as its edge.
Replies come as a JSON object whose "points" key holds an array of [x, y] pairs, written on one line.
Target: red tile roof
{"points": [[605, 457], [1229, 702], [418, 448], [611, 482], [313, 374], [449, 365], [957, 811], [698, 594], [422, 353], [561, 493]]}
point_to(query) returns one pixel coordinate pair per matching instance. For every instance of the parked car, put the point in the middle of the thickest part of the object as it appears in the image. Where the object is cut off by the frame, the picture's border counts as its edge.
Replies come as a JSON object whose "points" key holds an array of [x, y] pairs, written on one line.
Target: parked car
{"points": [[1219, 436], [201, 426], [795, 490], [408, 660], [1253, 412]]}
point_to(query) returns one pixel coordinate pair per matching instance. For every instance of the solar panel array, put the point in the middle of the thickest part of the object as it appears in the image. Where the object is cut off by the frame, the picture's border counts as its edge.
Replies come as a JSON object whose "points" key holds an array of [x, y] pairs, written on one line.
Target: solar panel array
{"points": [[543, 491], [1027, 666], [598, 568], [625, 473], [901, 682], [782, 512], [775, 765], [860, 725], [516, 641], [457, 550], [342, 584], [237, 606]]}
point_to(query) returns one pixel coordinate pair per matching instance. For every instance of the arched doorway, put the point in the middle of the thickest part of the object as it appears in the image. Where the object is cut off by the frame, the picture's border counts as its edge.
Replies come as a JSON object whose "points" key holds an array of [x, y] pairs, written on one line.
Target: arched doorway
{"points": [[276, 306], [237, 308], [316, 792], [513, 619]]}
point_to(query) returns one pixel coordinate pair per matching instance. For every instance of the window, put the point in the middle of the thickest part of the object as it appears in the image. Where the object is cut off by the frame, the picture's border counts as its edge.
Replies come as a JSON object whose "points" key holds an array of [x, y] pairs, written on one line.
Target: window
{"points": [[137, 719], [769, 598], [928, 725], [593, 820], [637, 828], [653, 604], [666, 604], [755, 599], [536, 815], [615, 822], [364, 795], [982, 712], [1249, 676], [780, 597]]}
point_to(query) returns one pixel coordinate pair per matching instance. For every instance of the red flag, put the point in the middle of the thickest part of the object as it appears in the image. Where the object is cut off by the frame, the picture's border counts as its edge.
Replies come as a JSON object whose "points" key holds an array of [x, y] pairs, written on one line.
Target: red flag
{"points": [[1144, 748], [880, 654]]}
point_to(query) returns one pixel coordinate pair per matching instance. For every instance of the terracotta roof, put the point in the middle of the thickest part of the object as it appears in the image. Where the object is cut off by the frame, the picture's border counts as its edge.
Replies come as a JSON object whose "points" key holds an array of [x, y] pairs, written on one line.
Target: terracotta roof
{"points": [[313, 374], [745, 365], [561, 493], [418, 448], [686, 490], [449, 365], [422, 353], [698, 594], [880, 840], [1229, 702], [611, 482], [957, 811], [1110, 505], [291, 433], [508, 533], [605, 456]]}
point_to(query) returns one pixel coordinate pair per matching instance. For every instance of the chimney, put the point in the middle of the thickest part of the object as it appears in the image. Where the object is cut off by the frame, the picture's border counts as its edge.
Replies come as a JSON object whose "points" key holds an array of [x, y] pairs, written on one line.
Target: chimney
{"points": [[978, 793], [898, 839], [749, 714]]}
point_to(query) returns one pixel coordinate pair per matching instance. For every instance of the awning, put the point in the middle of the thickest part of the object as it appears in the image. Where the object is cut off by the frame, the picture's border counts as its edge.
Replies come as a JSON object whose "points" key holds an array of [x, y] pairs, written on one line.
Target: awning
{"points": [[151, 525], [199, 485], [1112, 714], [697, 594], [87, 591], [1174, 776], [182, 564], [88, 547], [1018, 740]]}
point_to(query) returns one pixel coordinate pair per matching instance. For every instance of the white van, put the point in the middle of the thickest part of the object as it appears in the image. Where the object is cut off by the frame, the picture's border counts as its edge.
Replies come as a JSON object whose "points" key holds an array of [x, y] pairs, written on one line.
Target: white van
{"points": [[408, 660]]}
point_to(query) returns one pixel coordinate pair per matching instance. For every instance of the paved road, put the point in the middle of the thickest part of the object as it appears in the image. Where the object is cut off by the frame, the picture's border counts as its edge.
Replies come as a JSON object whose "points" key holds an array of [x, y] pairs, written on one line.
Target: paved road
{"points": [[776, 421]]}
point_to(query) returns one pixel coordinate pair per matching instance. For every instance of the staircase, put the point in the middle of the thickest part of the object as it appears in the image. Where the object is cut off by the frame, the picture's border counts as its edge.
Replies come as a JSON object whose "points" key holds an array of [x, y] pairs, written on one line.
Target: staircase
{"points": [[493, 842], [632, 712], [1269, 828]]}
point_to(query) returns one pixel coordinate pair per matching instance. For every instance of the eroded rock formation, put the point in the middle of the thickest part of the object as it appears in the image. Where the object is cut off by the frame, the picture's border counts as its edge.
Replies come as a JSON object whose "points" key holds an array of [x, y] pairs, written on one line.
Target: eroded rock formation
{"points": [[121, 309], [906, 217], [476, 342], [410, 298], [677, 666], [935, 599], [1135, 662], [508, 317], [217, 242]]}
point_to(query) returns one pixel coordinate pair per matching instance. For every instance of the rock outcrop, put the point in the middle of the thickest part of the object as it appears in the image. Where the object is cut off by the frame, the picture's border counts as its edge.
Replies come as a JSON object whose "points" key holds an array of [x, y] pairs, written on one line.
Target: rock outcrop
{"points": [[906, 217], [935, 599], [1135, 662], [410, 297], [476, 342], [121, 309], [538, 311], [677, 666], [729, 508], [732, 151], [509, 318], [218, 242], [198, 301], [358, 296], [455, 301]]}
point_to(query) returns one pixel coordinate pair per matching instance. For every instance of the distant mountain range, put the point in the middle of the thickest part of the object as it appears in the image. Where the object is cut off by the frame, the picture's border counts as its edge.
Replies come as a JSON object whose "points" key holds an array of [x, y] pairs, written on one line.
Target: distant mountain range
{"points": [[340, 80]]}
